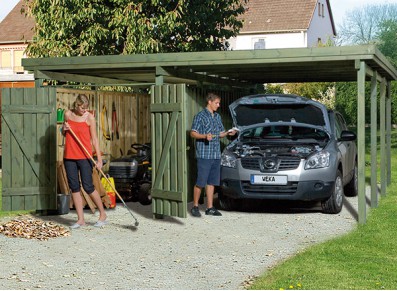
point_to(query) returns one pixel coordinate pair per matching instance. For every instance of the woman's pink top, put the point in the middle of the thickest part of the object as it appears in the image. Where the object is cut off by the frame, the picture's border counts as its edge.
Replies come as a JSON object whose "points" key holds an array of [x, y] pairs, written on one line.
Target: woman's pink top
{"points": [[73, 150]]}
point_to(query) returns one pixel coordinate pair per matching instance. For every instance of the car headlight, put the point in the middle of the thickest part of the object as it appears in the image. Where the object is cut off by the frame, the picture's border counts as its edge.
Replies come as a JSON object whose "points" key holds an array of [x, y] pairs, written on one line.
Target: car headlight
{"points": [[318, 160], [228, 159]]}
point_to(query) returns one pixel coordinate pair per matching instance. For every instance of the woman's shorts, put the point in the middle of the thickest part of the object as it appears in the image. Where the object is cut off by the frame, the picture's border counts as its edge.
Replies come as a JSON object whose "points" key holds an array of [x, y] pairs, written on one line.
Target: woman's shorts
{"points": [[208, 172], [73, 167]]}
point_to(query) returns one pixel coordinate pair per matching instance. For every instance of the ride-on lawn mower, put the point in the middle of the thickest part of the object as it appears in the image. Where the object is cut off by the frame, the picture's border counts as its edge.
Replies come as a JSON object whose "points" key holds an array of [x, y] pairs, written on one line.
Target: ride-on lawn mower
{"points": [[132, 174]]}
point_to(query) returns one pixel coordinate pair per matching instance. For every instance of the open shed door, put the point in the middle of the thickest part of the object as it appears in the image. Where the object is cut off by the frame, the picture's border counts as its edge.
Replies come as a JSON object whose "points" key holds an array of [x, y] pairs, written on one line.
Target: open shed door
{"points": [[169, 189], [29, 149]]}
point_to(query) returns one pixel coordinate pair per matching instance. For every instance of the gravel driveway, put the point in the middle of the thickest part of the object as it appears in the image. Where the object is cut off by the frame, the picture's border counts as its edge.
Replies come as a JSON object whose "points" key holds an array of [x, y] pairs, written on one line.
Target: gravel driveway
{"points": [[193, 253]]}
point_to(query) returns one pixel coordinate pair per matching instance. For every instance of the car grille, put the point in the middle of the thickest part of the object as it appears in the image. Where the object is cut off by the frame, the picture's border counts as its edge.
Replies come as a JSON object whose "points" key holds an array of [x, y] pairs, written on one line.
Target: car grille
{"points": [[288, 189], [286, 163]]}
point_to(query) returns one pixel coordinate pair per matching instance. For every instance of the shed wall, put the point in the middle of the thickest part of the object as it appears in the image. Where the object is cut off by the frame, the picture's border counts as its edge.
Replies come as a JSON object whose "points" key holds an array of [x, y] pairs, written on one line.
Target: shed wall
{"points": [[132, 115]]}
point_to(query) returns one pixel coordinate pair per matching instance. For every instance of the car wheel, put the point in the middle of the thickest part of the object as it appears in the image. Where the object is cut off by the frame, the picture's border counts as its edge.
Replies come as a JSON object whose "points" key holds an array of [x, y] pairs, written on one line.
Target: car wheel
{"points": [[351, 189], [144, 193], [226, 203], [334, 203]]}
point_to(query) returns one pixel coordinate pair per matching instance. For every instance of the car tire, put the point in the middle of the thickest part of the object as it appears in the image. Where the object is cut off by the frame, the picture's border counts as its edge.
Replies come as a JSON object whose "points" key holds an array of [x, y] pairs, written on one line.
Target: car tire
{"points": [[144, 194], [351, 188], [227, 203], [334, 203]]}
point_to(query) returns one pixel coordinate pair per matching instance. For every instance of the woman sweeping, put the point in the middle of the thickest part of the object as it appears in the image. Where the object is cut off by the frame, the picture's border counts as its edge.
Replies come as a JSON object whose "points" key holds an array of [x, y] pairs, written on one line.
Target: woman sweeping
{"points": [[76, 160]]}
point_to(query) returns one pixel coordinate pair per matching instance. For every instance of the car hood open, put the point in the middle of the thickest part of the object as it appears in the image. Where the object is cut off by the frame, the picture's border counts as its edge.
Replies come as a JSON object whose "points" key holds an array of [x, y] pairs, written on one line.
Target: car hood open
{"points": [[257, 109]]}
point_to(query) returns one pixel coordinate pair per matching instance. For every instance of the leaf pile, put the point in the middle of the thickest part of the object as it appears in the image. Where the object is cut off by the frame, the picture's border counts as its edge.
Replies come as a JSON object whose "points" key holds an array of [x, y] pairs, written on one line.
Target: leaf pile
{"points": [[32, 228]]}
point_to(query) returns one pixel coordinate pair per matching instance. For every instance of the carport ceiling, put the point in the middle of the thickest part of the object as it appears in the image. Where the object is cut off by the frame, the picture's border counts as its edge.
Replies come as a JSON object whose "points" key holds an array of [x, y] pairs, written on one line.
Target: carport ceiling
{"points": [[236, 68]]}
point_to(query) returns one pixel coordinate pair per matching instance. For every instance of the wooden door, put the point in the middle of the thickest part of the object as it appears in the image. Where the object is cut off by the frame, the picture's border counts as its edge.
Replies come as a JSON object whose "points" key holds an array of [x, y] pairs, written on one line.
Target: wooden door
{"points": [[28, 149], [169, 189]]}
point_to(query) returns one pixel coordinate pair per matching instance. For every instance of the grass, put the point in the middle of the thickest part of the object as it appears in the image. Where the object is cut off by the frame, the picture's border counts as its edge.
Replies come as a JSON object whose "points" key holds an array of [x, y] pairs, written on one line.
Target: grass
{"points": [[366, 258], [8, 213], [363, 259]]}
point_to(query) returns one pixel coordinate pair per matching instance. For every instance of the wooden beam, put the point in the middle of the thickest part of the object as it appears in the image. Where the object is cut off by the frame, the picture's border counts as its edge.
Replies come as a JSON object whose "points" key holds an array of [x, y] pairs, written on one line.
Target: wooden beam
{"points": [[388, 132], [382, 120], [374, 137], [364, 52], [205, 78], [361, 142], [78, 78]]}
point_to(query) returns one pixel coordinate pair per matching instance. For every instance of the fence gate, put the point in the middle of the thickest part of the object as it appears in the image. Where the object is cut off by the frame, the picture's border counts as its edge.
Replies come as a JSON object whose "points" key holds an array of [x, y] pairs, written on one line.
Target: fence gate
{"points": [[29, 149], [169, 189]]}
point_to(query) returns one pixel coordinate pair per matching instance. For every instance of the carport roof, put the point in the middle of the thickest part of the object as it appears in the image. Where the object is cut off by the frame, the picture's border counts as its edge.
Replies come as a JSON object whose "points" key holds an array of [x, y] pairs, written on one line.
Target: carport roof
{"points": [[235, 68]]}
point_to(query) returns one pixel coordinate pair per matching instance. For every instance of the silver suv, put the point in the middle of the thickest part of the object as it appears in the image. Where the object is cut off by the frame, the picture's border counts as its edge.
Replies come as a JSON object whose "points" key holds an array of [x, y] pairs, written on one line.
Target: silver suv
{"points": [[288, 148]]}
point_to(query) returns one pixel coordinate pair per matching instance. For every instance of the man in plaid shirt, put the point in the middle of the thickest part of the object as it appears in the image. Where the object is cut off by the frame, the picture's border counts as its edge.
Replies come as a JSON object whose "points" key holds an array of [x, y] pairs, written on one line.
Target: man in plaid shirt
{"points": [[207, 129]]}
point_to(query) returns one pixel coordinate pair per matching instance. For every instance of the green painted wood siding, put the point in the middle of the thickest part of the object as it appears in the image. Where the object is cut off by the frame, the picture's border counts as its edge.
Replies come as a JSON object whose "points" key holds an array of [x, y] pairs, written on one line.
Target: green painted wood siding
{"points": [[29, 149], [168, 150]]}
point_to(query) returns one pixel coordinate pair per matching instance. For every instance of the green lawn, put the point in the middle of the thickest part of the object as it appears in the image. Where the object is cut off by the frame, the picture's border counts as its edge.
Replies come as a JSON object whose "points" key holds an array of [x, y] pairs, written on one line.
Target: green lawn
{"points": [[366, 258], [8, 213]]}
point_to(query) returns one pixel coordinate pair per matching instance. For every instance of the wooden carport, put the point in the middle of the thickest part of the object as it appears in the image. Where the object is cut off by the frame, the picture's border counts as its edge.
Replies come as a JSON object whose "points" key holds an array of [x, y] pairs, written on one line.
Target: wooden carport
{"points": [[235, 70]]}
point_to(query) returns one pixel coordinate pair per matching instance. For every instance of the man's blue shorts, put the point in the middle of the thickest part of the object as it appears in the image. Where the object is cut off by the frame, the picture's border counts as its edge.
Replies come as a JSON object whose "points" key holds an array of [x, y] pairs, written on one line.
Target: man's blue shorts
{"points": [[73, 167], [208, 172]]}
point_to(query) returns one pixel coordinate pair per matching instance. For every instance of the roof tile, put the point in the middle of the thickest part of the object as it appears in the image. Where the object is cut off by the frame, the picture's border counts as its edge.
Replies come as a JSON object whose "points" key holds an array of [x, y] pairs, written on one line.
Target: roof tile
{"points": [[278, 15]]}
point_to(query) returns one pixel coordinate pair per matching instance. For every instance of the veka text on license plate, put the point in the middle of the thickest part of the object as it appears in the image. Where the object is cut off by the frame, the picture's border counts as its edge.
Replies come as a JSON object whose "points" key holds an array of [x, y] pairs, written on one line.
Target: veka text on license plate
{"points": [[269, 180]]}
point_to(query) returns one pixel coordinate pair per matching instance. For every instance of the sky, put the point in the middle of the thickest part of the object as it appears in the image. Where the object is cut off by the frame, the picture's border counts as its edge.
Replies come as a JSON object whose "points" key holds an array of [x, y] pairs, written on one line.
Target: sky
{"points": [[339, 7]]}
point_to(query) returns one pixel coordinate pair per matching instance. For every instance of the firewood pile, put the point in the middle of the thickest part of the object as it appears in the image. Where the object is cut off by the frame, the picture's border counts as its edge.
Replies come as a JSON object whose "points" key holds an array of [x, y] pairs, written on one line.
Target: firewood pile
{"points": [[33, 228]]}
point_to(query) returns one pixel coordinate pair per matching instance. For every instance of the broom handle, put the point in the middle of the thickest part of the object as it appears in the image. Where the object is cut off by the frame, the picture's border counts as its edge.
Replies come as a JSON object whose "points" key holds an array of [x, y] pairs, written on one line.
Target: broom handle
{"points": [[92, 159]]}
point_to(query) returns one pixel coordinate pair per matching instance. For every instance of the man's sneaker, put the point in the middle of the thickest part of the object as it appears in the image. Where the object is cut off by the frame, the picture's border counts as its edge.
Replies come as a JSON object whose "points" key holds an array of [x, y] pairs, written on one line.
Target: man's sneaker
{"points": [[195, 211], [213, 211]]}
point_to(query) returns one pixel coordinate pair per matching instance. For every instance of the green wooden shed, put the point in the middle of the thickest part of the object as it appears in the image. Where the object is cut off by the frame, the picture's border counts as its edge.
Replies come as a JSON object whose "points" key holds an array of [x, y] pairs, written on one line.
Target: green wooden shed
{"points": [[178, 83]]}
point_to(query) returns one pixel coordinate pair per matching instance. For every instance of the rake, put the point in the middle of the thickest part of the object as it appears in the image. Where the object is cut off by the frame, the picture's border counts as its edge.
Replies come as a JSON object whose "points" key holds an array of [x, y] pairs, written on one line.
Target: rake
{"points": [[103, 174]]}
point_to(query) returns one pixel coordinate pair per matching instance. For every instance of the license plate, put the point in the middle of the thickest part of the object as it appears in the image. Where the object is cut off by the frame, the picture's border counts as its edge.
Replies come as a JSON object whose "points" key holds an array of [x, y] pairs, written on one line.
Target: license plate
{"points": [[269, 180]]}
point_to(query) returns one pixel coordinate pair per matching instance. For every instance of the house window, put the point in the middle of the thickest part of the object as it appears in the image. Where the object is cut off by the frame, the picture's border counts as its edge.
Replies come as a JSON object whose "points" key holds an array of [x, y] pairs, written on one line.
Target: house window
{"points": [[18, 55], [320, 8], [5, 60], [260, 44]]}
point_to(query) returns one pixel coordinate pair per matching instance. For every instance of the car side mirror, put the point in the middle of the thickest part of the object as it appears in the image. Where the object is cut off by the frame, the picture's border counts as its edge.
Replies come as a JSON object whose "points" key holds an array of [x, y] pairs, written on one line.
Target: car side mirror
{"points": [[347, 135]]}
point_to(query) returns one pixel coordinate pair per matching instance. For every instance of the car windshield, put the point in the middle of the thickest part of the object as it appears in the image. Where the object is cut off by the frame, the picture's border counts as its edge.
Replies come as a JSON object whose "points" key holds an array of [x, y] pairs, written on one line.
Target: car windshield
{"points": [[282, 132]]}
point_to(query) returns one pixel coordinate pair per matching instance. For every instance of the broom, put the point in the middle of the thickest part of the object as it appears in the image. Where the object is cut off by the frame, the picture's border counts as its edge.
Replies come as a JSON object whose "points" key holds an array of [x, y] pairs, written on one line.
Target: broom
{"points": [[107, 180]]}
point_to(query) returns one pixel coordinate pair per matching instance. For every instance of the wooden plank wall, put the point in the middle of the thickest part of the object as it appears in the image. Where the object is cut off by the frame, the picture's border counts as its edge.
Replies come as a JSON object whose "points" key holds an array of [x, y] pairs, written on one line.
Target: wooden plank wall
{"points": [[12, 85], [29, 149], [133, 117]]}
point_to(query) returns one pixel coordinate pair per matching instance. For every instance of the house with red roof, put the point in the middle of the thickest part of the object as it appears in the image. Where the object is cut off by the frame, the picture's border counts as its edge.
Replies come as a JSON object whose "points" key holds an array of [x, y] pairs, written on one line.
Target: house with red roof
{"points": [[270, 24], [16, 31]]}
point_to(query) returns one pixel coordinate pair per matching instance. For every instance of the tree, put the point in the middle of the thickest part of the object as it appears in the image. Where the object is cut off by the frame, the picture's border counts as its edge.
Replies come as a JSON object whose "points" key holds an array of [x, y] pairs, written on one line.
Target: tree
{"points": [[375, 24], [387, 39], [361, 26], [97, 27]]}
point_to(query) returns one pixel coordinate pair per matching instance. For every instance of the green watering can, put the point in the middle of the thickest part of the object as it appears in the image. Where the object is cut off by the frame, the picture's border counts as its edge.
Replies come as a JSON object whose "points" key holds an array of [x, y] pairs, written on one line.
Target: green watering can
{"points": [[60, 113]]}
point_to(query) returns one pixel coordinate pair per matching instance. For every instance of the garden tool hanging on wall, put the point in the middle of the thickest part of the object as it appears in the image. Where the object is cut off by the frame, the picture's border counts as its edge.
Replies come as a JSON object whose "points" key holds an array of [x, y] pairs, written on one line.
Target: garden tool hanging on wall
{"points": [[104, 119], [115, 124]]}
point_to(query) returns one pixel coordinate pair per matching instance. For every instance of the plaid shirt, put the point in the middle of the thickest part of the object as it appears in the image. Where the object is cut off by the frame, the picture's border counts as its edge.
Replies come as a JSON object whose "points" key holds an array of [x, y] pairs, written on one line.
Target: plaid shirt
{"points": [[205, 122]]}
